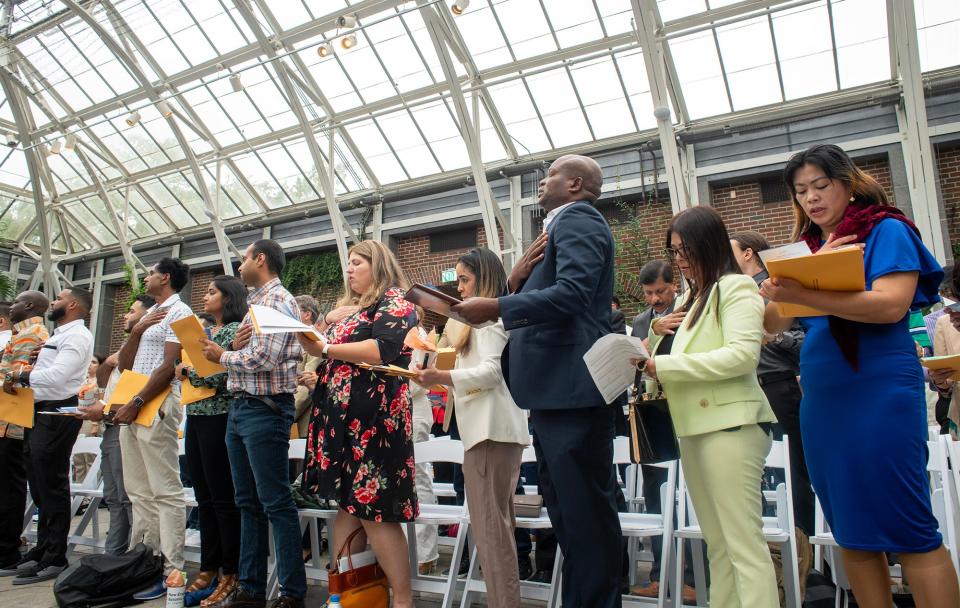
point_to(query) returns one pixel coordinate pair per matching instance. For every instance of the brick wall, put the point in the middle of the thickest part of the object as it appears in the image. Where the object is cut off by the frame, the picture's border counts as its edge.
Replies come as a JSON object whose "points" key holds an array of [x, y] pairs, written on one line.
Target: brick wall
{"points": [[199, 282], [739, 204], [422, 266], [121, 293], [948, 170]]}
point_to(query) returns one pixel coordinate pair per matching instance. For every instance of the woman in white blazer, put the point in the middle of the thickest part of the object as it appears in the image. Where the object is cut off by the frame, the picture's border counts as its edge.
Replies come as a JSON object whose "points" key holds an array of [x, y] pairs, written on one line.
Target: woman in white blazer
{"points": [[493, 429]]}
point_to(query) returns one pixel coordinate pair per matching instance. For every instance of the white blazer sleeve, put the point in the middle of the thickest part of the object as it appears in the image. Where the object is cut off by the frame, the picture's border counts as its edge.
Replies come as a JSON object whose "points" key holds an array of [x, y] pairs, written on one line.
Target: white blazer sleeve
{"points": [[486, 346]]}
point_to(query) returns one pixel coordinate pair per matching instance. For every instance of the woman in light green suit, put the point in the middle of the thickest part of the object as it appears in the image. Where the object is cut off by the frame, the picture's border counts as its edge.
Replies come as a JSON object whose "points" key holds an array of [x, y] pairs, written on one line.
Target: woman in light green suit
{"points": [[720, 414]]}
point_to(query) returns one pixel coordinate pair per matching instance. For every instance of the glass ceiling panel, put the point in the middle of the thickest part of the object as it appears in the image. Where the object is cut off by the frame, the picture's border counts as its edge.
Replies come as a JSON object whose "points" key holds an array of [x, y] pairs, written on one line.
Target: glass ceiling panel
{"points": [[88, 211], [806, 61], [18, 213], [528, 32], [597, 82], [746, 49], [262, 181], [573, 22], [520, 116], [700, 74], [13, 168], [165, 198], [938, 30], [675, 9], [376, 150], [558, 105], [860, 28], [234, 198], [483, 37]]}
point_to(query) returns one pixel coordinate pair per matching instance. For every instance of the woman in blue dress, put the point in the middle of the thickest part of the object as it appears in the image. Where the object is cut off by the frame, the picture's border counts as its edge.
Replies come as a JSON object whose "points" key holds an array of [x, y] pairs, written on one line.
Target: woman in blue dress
{"points": [[863, 415]]}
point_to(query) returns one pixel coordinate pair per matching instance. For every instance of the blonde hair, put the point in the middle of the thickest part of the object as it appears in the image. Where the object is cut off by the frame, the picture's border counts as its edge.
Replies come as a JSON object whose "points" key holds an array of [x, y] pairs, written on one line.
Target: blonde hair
{"points": [[384, 270]]}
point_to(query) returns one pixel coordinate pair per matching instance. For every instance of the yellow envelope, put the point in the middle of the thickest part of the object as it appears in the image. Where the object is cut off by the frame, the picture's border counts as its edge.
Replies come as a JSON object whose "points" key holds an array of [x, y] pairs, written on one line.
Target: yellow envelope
{"points": [[130, 384], [17, 409], [446, 358], [188, 392], [839, 270], [943, 362], [189, 331]]}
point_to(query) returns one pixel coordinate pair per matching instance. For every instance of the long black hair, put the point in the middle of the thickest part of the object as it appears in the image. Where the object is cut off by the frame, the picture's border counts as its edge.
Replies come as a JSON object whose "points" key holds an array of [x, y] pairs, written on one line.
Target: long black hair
{"points": [[234, 298], [708, 251]]}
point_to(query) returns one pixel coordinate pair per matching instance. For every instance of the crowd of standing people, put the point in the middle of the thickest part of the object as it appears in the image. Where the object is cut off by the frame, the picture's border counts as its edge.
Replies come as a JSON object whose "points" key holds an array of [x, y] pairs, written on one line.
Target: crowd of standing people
{"points": [[846, 388]]}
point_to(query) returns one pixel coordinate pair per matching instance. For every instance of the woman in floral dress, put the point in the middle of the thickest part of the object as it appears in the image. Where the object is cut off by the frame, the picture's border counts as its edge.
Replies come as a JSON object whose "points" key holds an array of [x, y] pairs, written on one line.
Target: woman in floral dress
{"points": [[359, 446]]}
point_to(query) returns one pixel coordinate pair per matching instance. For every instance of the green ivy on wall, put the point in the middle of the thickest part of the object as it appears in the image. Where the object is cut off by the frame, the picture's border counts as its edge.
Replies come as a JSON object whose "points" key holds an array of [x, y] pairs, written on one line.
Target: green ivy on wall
{"points": [[136, 286], [310, 273]]}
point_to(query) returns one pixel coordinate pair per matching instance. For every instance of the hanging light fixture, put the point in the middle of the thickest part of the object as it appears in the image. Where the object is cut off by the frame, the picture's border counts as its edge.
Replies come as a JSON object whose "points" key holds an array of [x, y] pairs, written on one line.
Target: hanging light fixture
{"points": [[133, 118], [45, 149], [325, 49], [236, 83], [71, 142], [164, 108], [12, 140], [348, 42], [347, 22], [56, 147], [459, 6]]}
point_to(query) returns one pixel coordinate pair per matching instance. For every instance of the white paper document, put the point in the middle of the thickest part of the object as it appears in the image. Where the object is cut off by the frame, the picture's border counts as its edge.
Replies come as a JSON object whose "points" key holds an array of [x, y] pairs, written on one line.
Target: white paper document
{"points": [[950, 304], [786, 252], [608, 362], [271, 321]]}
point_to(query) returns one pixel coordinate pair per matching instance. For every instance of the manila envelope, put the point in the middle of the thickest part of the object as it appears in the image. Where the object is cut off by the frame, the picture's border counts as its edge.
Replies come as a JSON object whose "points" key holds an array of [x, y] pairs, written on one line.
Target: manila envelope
{"points": [[188, 392], [189, 331], [17, 409], [130, 384]]}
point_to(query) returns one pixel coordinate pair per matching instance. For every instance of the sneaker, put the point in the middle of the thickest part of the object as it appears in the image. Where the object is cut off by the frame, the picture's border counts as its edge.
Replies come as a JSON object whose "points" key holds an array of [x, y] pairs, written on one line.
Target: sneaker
{"points": [[152, 592], [20, 567], [38, 574]]}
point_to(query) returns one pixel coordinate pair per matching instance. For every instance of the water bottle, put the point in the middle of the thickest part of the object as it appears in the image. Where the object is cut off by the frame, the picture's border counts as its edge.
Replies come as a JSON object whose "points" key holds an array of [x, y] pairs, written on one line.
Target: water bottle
{"points": [[334, 601]]}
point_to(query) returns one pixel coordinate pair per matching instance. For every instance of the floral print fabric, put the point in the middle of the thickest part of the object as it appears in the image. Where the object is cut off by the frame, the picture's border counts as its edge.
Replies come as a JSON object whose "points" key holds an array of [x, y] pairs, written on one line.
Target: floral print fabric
{"points": [[359, 445]]}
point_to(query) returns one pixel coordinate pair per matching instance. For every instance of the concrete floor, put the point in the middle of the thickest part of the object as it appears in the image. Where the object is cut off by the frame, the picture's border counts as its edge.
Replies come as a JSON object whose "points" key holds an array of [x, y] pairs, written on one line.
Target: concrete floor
{"points": [[40, 595]]}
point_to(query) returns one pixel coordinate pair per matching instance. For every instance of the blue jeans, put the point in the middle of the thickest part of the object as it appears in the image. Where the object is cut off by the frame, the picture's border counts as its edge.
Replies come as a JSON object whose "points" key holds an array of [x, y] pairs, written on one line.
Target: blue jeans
{"points": [[257, 443]]}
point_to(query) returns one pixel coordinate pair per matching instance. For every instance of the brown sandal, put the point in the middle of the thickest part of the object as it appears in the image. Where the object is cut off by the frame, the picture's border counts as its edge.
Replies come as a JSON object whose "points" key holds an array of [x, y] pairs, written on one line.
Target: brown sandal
{"points": [[228, 582], [202, 581]]}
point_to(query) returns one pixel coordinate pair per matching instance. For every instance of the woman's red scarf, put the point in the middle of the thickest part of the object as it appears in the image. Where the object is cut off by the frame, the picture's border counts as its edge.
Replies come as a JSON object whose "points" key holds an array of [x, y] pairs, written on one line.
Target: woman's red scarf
{"points": [[860, 218]]}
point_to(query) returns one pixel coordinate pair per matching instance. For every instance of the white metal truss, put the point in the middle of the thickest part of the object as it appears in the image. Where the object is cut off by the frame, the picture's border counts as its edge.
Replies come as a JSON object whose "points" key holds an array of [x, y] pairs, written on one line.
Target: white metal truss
{"points": [[647, 19], [912, 119], [470, 132]]}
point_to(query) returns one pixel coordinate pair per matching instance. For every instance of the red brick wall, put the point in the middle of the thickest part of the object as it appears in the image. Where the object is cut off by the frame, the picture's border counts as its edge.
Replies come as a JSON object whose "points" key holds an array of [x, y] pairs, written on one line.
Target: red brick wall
{"points": [[199, 282], [422, 266], [739, 204], [121, 293], [948, 171]]}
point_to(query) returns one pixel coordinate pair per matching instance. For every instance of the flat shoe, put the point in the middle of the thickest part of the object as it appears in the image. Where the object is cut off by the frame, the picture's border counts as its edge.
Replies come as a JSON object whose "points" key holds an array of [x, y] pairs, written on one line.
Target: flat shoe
{"points": [[202, 581]]}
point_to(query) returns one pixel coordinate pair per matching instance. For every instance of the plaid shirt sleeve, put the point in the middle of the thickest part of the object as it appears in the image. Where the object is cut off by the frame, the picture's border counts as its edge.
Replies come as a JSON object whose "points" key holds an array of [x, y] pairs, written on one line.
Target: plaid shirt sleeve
{"points": [[264, 351]]}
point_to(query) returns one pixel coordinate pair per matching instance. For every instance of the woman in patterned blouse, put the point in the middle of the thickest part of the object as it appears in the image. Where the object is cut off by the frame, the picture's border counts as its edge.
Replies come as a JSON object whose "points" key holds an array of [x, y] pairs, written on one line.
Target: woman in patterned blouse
{"points": [[207, 462], [359, 445]]}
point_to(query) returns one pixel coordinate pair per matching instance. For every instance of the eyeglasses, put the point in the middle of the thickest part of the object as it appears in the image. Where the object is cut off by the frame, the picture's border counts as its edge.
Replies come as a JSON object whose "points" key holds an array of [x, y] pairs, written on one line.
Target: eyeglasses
{"points": [[681, 252]]}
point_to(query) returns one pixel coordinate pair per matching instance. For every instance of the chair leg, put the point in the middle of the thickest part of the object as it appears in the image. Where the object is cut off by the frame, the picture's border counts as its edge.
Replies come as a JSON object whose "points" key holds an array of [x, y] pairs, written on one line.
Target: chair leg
{"points": [[466, 599], [791, 575], [556, 581], [699, 573], [451, 589], [677, 598]]}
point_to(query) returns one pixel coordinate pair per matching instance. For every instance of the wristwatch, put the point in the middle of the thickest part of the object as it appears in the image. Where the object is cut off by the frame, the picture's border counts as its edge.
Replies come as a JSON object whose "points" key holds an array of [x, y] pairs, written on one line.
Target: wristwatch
{"points": [[137, 401], [326, 348]]}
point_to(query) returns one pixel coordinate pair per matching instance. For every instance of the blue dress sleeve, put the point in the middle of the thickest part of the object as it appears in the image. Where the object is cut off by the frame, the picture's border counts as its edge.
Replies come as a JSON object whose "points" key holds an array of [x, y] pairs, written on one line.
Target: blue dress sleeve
{"points": [[894, 247]]}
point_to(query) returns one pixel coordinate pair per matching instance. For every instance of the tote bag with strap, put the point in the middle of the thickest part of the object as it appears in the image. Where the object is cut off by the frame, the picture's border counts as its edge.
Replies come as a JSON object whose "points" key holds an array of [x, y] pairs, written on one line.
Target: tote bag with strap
{"points": [[364, 587]]}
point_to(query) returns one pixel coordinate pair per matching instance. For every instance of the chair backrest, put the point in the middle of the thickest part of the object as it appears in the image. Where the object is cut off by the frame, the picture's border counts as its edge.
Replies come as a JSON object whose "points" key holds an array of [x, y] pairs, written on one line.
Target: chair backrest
{"points": [[181, 446], [297, 449], [621, 450], [438, 450], [529, 454], [942, 495], [952, 449], [86, 445]]}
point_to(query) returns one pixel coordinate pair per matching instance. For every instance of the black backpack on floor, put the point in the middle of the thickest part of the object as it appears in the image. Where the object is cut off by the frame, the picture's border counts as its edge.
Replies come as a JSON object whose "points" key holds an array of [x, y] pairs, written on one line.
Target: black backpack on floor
{"points": [[97, 580]]}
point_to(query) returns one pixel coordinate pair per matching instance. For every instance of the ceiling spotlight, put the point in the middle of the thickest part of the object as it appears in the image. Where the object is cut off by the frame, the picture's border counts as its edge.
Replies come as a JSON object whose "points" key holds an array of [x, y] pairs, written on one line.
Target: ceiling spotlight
{"points": [[71, 142], [164, 108], [12, 140], [133, 118], [325, 49], [348, 42], [459, 6], [235, 83], [56, 147], [347, 22]]}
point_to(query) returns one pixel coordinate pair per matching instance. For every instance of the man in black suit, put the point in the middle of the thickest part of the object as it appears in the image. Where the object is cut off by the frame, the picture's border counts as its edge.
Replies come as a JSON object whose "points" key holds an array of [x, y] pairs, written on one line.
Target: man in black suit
{"points": [[659, 293], [554, 317]]}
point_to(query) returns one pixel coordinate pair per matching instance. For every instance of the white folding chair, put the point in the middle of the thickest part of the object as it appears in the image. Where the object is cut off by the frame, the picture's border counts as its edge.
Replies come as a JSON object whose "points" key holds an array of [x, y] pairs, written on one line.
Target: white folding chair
{"points": [[647, 525], [953, 496], [90, 487], [778, 530]]}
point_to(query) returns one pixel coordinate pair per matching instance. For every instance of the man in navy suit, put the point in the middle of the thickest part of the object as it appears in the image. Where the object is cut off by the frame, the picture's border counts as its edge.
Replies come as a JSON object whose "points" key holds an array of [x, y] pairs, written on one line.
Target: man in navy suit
{"points": [[554, 316]]}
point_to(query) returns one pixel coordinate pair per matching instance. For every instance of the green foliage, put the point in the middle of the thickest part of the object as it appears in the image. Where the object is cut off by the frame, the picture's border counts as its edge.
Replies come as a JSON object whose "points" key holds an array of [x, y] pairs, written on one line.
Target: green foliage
{"points": [[956, 251], [310, 273], [8, 286], [632, 242], [136, 286]]}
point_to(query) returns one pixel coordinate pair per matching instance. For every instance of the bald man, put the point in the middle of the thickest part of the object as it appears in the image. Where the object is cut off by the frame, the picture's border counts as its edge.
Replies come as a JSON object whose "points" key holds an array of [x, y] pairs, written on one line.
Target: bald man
{"points": [[29, 333], [562, 288]]}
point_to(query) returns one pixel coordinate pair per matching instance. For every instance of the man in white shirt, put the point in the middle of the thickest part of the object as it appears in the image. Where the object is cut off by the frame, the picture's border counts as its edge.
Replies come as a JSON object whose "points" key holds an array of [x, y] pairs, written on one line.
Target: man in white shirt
{"points": [[6, 329], [151, 467], [56, 378]]}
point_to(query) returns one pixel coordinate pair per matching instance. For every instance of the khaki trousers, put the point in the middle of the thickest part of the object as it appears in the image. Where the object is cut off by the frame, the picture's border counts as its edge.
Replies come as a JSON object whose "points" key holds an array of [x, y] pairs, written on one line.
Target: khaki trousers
{"points": [[490, 472], [151, 477], [722, 471]]}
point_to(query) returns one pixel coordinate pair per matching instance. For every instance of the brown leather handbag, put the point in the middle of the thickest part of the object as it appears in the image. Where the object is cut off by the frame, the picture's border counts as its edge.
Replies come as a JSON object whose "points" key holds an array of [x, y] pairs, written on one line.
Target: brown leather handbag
{"points": [[364, 587]]}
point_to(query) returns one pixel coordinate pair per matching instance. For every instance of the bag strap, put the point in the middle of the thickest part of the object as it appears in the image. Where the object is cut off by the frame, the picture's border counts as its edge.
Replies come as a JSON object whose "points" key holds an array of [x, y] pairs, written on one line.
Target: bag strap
{"points": [[346, 548]]}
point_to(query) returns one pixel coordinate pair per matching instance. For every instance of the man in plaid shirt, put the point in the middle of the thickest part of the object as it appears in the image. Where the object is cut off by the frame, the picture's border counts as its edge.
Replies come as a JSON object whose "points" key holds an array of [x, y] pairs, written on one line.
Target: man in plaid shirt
{"points": [[262, 374], [26, 315]]}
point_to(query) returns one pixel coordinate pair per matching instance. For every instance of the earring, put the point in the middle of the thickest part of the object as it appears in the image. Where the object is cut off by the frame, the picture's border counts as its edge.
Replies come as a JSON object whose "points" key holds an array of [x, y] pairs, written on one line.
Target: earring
{"points": [[852, 198]]}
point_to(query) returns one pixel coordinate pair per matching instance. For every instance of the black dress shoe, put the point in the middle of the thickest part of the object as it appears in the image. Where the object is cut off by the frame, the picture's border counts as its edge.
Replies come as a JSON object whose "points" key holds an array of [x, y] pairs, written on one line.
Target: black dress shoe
{"points": [[288, 602], [240, 599], [525, 568], [542, 576]]}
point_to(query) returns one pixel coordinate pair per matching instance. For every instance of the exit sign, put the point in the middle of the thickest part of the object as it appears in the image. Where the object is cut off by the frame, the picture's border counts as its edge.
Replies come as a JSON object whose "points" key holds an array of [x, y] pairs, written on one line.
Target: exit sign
{"points": [[449, 275]]}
